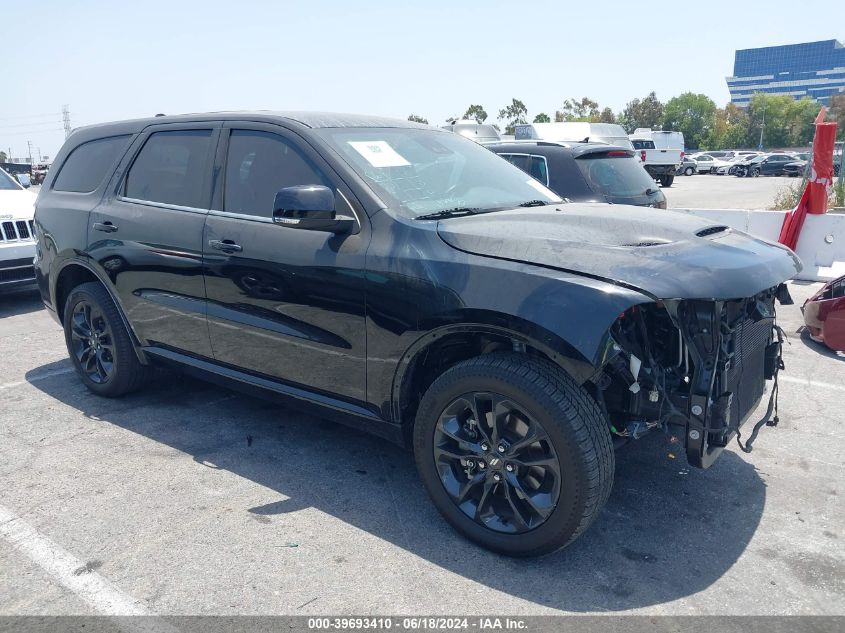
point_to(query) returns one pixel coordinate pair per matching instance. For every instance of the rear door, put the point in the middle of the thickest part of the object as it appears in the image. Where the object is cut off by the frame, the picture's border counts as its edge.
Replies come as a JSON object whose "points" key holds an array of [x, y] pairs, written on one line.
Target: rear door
{"points": [[147, 235], [282, 302]]}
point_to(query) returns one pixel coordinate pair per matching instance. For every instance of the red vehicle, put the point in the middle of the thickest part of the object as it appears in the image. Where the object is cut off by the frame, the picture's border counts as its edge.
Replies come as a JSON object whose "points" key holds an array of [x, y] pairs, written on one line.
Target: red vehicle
{"points": [[824, 315]]}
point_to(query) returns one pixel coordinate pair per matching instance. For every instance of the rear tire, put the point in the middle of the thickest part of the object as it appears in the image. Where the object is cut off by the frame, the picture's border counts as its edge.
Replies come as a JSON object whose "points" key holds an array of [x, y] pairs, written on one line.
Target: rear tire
{"points": [[563, 428], [666, 180], [98, 343], [689, 171]]}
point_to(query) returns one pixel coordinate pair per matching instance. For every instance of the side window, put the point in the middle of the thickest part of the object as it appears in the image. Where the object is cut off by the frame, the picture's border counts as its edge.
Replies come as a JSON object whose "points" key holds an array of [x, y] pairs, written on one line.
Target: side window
{"points": [[539, 169], [89, 164], [258, 165], [518, 160], [172, 168]]}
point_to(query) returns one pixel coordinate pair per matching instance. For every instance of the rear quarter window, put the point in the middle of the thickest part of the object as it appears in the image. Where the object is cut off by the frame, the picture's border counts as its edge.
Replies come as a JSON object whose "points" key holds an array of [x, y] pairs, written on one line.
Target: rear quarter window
{"points": [[88, 165], [620, 177]]}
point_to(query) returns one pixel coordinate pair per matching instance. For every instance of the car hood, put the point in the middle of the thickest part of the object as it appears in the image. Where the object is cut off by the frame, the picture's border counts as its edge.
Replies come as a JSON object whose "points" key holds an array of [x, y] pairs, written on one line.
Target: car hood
{"points": [[664, 254], [16, 204]]}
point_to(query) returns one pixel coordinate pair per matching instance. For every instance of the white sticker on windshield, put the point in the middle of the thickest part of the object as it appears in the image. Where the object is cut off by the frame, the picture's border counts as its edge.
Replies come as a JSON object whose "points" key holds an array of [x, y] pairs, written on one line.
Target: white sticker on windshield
{"points": [[379, 153], [541, 188]]}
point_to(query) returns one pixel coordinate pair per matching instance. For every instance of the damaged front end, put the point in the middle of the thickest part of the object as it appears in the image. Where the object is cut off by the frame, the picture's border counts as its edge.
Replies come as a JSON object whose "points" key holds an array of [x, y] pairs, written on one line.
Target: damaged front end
{"points": [[700, 365]]}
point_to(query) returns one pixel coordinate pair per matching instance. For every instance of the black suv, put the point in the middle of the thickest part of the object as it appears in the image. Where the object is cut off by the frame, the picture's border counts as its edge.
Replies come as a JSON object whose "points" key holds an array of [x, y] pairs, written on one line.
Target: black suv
{"points": [[585, 172], [412, 283]]}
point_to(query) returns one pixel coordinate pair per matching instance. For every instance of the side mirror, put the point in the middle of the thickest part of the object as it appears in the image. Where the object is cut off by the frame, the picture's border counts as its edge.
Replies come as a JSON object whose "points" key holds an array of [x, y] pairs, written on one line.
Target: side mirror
{"points": [[309, 207]]}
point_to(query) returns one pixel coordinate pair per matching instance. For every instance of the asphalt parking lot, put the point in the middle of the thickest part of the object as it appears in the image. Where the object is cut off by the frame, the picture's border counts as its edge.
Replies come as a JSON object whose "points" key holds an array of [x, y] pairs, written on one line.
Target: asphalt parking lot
{"points": [[706, 191], [189, 499]]}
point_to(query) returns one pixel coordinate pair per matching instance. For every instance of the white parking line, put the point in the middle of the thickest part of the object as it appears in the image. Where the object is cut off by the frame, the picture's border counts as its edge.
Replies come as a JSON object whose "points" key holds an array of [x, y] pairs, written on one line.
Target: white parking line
{"points": [[65, 568], [812, 383], [18, 383]]}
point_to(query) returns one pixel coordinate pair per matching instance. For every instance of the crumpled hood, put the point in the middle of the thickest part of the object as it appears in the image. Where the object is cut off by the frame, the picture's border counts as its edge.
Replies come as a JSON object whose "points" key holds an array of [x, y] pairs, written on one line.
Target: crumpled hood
{"points": [[665, 254], [16, 204]]}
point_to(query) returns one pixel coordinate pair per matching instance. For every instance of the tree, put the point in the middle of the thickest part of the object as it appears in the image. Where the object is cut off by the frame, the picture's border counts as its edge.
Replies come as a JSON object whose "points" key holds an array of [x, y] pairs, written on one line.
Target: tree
{"points": [[416, 118], [801, 121], [691, 114], [647, 112], [3, 157], [768, 119], [607, 116], [584, 110], [730, 129], [476, 112], [514, 114], [542, 118]]}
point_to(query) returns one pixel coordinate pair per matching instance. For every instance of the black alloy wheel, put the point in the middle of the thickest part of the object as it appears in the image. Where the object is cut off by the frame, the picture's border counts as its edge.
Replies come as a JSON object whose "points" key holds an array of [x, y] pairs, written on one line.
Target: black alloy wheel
{"points": [[92, 342], [496, 462], [514, 453], [99, 344]]}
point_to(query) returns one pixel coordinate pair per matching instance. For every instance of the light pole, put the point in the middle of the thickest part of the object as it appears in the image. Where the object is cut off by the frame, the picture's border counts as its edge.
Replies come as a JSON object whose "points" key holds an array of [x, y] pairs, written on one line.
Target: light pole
{"points": [[762, 127]]}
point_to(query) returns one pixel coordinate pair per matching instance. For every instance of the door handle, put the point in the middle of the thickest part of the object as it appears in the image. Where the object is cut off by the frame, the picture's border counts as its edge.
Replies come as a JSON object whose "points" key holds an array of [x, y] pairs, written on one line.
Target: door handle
{"points": [[227, 246], [105, 227]]}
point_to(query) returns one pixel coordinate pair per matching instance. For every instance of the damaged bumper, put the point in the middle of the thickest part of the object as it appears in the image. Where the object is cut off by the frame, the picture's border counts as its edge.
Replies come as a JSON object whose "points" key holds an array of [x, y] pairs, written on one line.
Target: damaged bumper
{"points": [[695, 364]]}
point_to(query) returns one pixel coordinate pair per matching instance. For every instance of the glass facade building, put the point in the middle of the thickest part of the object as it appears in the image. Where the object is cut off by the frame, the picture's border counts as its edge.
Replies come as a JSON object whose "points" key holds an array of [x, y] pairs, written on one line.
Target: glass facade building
{"points": [[813, 69]]}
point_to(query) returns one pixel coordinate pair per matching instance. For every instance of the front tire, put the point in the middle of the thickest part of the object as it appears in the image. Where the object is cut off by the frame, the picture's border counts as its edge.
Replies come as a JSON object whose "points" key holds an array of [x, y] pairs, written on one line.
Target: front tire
{"points": [[689, 171], [514, 453], [98, 343]]}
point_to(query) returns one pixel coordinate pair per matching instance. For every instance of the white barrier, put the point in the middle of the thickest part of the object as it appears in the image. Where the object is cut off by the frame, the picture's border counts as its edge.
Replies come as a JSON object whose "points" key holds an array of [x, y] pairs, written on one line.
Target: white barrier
{"points": [[821, 245]]}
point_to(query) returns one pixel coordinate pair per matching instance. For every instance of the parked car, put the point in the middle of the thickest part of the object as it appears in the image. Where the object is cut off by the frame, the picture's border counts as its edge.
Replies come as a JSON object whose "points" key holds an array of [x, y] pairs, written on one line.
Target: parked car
{"points": [[704, 162], [408, 281], [801, 167], [585, 172], [574, 132], [796, 168], [17, 243], [688, 167], [728, 166], [764, 165], [824, 315], [660, 151], [479, 132]]}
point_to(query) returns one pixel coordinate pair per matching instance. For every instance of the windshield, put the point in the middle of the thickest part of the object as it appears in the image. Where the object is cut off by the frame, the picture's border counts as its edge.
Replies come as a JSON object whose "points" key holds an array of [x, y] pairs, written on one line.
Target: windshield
{"points": [[426, 171], [621, 177], [7, 182]]}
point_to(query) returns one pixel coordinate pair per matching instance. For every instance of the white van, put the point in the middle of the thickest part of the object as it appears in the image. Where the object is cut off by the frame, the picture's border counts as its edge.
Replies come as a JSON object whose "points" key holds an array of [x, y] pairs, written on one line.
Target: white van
{"points": [[575, 132]]}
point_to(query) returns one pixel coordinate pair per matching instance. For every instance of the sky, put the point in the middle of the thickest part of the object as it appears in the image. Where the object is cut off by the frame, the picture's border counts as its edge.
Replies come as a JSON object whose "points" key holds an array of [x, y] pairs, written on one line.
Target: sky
{"points": [[118, 60]]}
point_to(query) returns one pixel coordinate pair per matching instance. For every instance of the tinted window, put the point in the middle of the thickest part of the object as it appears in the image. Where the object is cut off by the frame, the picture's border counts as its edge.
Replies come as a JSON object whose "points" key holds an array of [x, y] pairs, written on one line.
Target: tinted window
{"points": [[539, 169], [89, 164], [520, 160], [616, 177], [534, 165], [258, 165], [172, 168]]}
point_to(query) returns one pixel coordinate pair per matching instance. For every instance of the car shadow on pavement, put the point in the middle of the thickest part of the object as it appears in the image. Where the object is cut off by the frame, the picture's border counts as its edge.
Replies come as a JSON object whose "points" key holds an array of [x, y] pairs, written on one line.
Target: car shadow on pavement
{"points": [[667, 532], [18, 302]]}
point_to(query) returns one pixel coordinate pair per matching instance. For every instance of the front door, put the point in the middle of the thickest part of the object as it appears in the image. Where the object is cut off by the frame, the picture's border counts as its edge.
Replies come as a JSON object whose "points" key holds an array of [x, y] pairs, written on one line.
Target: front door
{"points": [[147, 235], [282, 302]]}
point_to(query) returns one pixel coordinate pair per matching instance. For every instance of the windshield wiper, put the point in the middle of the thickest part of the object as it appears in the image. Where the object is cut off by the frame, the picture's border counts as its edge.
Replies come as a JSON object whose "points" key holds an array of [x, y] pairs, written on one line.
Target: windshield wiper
{"points": [[650, 191], [449, 213], [535, 203]]}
